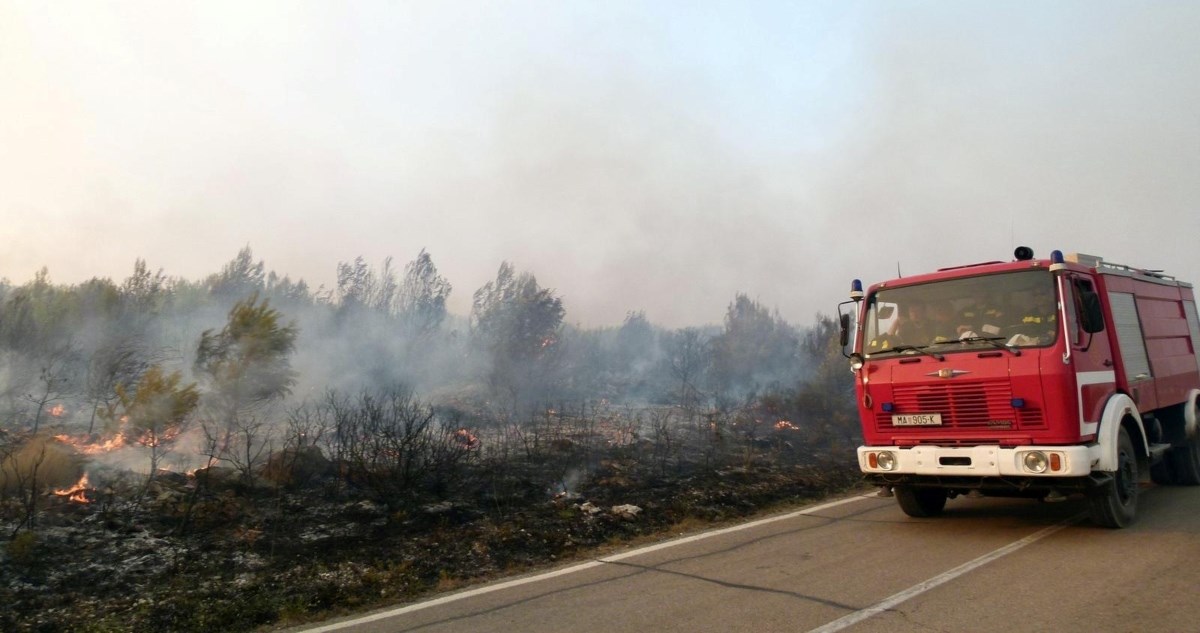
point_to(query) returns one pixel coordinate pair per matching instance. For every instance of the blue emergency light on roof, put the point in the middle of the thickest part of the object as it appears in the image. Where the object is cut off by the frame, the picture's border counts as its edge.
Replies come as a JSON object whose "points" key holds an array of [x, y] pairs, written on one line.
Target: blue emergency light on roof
{"points": [[1056, 261], [856, 291]]}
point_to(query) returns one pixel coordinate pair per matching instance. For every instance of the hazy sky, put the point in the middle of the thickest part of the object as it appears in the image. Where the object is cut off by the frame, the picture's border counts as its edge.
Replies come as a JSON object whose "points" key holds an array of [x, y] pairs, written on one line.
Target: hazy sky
{"points": [[660, 156]]}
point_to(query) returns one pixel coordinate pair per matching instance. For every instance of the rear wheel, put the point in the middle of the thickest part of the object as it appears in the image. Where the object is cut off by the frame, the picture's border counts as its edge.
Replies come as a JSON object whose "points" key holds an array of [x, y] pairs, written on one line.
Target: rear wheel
{"points": [[1114, 504], [921, 502], [1184, 461]]}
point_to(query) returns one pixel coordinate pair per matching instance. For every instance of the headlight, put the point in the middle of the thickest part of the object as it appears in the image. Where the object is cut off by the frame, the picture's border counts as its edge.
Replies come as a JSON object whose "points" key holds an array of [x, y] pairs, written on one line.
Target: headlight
{"points": [[887, 461], [1035, 461]]}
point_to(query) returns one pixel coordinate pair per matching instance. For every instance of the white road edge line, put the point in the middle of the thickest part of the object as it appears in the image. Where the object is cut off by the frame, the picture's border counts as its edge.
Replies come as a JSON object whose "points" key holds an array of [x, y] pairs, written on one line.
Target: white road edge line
{"points": [[383, 615], [920, 588]]}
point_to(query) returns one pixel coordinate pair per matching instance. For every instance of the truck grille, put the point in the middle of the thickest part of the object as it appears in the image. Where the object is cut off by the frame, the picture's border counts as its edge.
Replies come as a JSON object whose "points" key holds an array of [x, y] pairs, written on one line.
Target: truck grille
{"points": [[979, 405]]}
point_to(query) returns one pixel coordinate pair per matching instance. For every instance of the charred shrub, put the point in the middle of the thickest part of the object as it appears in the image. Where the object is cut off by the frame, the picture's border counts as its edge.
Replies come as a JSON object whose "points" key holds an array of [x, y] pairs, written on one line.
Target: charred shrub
{"points": [[393, 446]]}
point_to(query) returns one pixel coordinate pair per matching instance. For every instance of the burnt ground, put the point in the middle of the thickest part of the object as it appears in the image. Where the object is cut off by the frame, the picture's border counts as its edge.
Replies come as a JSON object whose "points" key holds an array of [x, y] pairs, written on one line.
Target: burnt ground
{"points": [[219, 551]]}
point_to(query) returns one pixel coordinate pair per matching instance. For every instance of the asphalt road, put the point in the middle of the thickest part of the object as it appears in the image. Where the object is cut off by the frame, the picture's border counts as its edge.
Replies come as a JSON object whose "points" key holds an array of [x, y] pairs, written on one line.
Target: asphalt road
{"points": [[858, 565]]}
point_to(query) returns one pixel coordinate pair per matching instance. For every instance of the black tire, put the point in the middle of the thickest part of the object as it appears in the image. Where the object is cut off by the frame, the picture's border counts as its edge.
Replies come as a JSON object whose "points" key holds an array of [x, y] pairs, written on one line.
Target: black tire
{"points": [[1114, 505], [1184, 461], [920, 502]]}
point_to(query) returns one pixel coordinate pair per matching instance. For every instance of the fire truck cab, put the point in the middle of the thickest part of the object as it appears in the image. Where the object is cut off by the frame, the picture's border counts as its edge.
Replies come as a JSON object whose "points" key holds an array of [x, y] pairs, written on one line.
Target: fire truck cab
{"points": [[1035, 377]]}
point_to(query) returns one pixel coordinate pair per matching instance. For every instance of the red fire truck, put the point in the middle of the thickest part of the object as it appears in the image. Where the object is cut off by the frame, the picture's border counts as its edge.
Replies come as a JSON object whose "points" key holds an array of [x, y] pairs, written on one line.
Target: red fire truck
{"points": [[1036, 377]]}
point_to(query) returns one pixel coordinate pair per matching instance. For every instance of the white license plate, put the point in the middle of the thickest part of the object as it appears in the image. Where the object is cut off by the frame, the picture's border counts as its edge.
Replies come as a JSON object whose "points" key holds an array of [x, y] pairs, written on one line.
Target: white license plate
{"points": [[917, 419]]}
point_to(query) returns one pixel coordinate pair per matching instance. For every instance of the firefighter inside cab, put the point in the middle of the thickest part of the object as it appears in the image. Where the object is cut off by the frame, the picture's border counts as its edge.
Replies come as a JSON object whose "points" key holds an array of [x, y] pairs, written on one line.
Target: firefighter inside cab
{"points": [[1035, 319]]}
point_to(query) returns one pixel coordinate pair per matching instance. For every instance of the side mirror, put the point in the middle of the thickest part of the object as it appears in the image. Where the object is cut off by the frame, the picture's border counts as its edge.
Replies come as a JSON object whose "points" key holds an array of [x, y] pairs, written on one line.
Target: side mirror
{"points": [[1092, 317], [844, 337]]}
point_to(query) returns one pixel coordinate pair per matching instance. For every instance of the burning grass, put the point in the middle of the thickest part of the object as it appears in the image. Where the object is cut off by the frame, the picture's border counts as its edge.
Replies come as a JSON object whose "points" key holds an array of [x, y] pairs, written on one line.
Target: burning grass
{"points": [[320, 529], [77, 493]]}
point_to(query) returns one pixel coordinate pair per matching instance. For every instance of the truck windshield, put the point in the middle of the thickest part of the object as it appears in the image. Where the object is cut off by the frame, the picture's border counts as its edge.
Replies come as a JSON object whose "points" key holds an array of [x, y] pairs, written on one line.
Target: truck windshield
{"points": [[1011, 310]]}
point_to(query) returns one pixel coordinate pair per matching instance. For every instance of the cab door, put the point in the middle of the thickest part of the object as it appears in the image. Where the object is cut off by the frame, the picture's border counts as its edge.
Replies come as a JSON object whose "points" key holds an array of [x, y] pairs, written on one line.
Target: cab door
{"points": [[1089, 354]]}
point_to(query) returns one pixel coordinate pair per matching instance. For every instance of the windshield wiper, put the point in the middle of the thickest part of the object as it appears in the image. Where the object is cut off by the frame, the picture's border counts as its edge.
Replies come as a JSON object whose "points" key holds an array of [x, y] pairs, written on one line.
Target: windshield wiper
{"points": [[917, 348], [991, 340]]}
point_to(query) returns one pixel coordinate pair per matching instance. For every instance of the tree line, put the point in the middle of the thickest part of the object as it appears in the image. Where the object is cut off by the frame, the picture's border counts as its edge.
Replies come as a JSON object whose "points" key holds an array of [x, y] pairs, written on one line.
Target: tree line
{"points": [[151, 352]]}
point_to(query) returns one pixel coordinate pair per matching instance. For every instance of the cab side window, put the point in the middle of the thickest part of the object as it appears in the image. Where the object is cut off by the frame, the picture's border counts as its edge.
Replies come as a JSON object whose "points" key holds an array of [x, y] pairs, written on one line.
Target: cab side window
{"points": [[1079, 287]]}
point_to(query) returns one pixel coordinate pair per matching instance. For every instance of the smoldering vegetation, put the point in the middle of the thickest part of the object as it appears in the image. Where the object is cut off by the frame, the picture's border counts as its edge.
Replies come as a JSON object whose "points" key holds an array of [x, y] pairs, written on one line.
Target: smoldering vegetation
{"points": [[244, 450]]}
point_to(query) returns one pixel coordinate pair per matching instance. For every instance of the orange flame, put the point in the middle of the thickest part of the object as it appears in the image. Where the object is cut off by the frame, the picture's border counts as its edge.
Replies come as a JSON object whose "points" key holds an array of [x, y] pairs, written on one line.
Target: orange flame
{"points": [[57, 410], [93, 448], [465, 439], [784, 425], [76, 493], [122, 438]]}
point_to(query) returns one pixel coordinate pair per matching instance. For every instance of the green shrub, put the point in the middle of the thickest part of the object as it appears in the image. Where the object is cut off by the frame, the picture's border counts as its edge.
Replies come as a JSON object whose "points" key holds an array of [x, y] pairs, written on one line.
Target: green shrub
{"points": [[22, 550]]}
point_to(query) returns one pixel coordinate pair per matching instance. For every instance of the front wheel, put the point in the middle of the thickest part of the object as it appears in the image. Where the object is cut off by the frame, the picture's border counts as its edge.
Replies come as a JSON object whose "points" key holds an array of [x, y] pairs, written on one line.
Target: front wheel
{"points": [[1114, 505], [921, 502]]}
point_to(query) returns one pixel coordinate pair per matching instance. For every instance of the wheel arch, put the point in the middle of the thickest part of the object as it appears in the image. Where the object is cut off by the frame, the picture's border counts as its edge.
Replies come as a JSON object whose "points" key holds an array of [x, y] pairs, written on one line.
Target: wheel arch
{"points": [[1189, 413], [1120, 411]]}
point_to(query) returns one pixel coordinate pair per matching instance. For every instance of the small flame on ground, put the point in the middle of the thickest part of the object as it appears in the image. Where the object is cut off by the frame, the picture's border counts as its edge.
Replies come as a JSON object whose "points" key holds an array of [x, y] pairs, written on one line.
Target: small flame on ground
{"points": [[78, 492], [784, 425], [57, 410]]}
